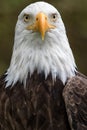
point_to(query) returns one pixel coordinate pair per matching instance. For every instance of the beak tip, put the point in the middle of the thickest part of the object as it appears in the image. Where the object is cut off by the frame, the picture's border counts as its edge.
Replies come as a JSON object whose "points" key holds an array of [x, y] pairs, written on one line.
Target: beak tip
{"points": [[42, 38]]}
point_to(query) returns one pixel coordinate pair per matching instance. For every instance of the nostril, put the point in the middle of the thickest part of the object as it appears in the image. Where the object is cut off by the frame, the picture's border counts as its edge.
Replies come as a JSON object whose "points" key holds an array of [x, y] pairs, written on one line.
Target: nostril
{"points": [[36, 19]]}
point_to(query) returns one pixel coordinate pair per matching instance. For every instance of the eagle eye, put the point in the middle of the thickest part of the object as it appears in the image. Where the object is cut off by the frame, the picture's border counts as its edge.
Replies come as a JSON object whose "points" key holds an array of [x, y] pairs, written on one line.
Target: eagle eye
{"points": [[54, 17], [26, 17]]}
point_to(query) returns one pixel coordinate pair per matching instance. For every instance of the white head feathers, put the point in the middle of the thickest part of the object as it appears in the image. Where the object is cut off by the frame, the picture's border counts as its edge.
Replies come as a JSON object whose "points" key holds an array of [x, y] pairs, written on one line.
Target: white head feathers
{"points": [[30, 53]]}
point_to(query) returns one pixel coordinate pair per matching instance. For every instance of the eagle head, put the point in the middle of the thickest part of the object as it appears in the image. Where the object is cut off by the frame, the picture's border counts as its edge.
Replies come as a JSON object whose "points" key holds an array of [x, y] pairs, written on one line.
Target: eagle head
{"points": [[40, 44]]}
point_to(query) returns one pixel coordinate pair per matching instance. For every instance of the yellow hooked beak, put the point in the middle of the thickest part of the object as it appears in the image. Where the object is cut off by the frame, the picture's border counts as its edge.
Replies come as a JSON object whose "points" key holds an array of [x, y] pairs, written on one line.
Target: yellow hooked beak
{"points": [[41, 25]]}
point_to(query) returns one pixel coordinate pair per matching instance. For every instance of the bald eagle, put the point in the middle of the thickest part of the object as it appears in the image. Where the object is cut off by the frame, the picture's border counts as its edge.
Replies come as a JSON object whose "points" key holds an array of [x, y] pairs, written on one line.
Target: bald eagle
{"points": [[42, 89]]}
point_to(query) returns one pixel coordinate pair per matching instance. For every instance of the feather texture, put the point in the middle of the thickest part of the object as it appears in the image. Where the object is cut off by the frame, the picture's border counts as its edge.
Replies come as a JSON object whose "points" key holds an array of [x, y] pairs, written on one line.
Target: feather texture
{"points": [[39, 106], [75, 96]]}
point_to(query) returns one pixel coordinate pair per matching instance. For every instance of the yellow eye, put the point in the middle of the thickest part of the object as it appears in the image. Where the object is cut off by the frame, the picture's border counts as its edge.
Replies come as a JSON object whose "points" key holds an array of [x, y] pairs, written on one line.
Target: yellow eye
{"points": [[54, 17], [26, 18]]}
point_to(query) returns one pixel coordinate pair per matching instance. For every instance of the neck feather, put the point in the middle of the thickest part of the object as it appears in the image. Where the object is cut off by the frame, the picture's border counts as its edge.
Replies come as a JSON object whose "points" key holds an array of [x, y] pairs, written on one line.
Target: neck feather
{"points": [[53, 55]]}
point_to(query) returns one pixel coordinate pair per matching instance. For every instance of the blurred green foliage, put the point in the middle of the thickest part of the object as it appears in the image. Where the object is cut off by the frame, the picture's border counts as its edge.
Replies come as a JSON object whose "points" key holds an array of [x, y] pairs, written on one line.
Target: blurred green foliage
{"points": [[74, 15]]}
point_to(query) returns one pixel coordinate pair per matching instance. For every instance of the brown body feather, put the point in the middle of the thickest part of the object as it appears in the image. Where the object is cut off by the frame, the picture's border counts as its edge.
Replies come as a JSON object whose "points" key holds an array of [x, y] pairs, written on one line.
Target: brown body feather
{"points": [[40, 106], [75, 96]]}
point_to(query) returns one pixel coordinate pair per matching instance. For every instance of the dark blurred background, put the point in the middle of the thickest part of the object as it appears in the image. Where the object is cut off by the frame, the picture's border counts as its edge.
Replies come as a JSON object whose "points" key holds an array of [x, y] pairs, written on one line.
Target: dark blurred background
{"points": [[74, 15]]}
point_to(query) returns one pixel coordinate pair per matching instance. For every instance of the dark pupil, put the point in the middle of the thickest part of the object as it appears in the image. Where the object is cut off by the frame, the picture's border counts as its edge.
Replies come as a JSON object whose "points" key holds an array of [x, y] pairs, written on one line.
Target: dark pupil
{"points": [[27, 17], [54, 16]]}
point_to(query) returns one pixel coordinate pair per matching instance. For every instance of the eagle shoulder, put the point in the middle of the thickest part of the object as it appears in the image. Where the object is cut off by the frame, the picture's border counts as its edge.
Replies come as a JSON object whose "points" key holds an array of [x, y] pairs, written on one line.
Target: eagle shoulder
{"points": [[75, 97]]}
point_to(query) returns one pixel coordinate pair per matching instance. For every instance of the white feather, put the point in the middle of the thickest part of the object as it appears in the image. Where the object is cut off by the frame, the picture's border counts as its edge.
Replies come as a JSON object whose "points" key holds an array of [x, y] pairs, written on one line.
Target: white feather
{"points": [[30, 53]]}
